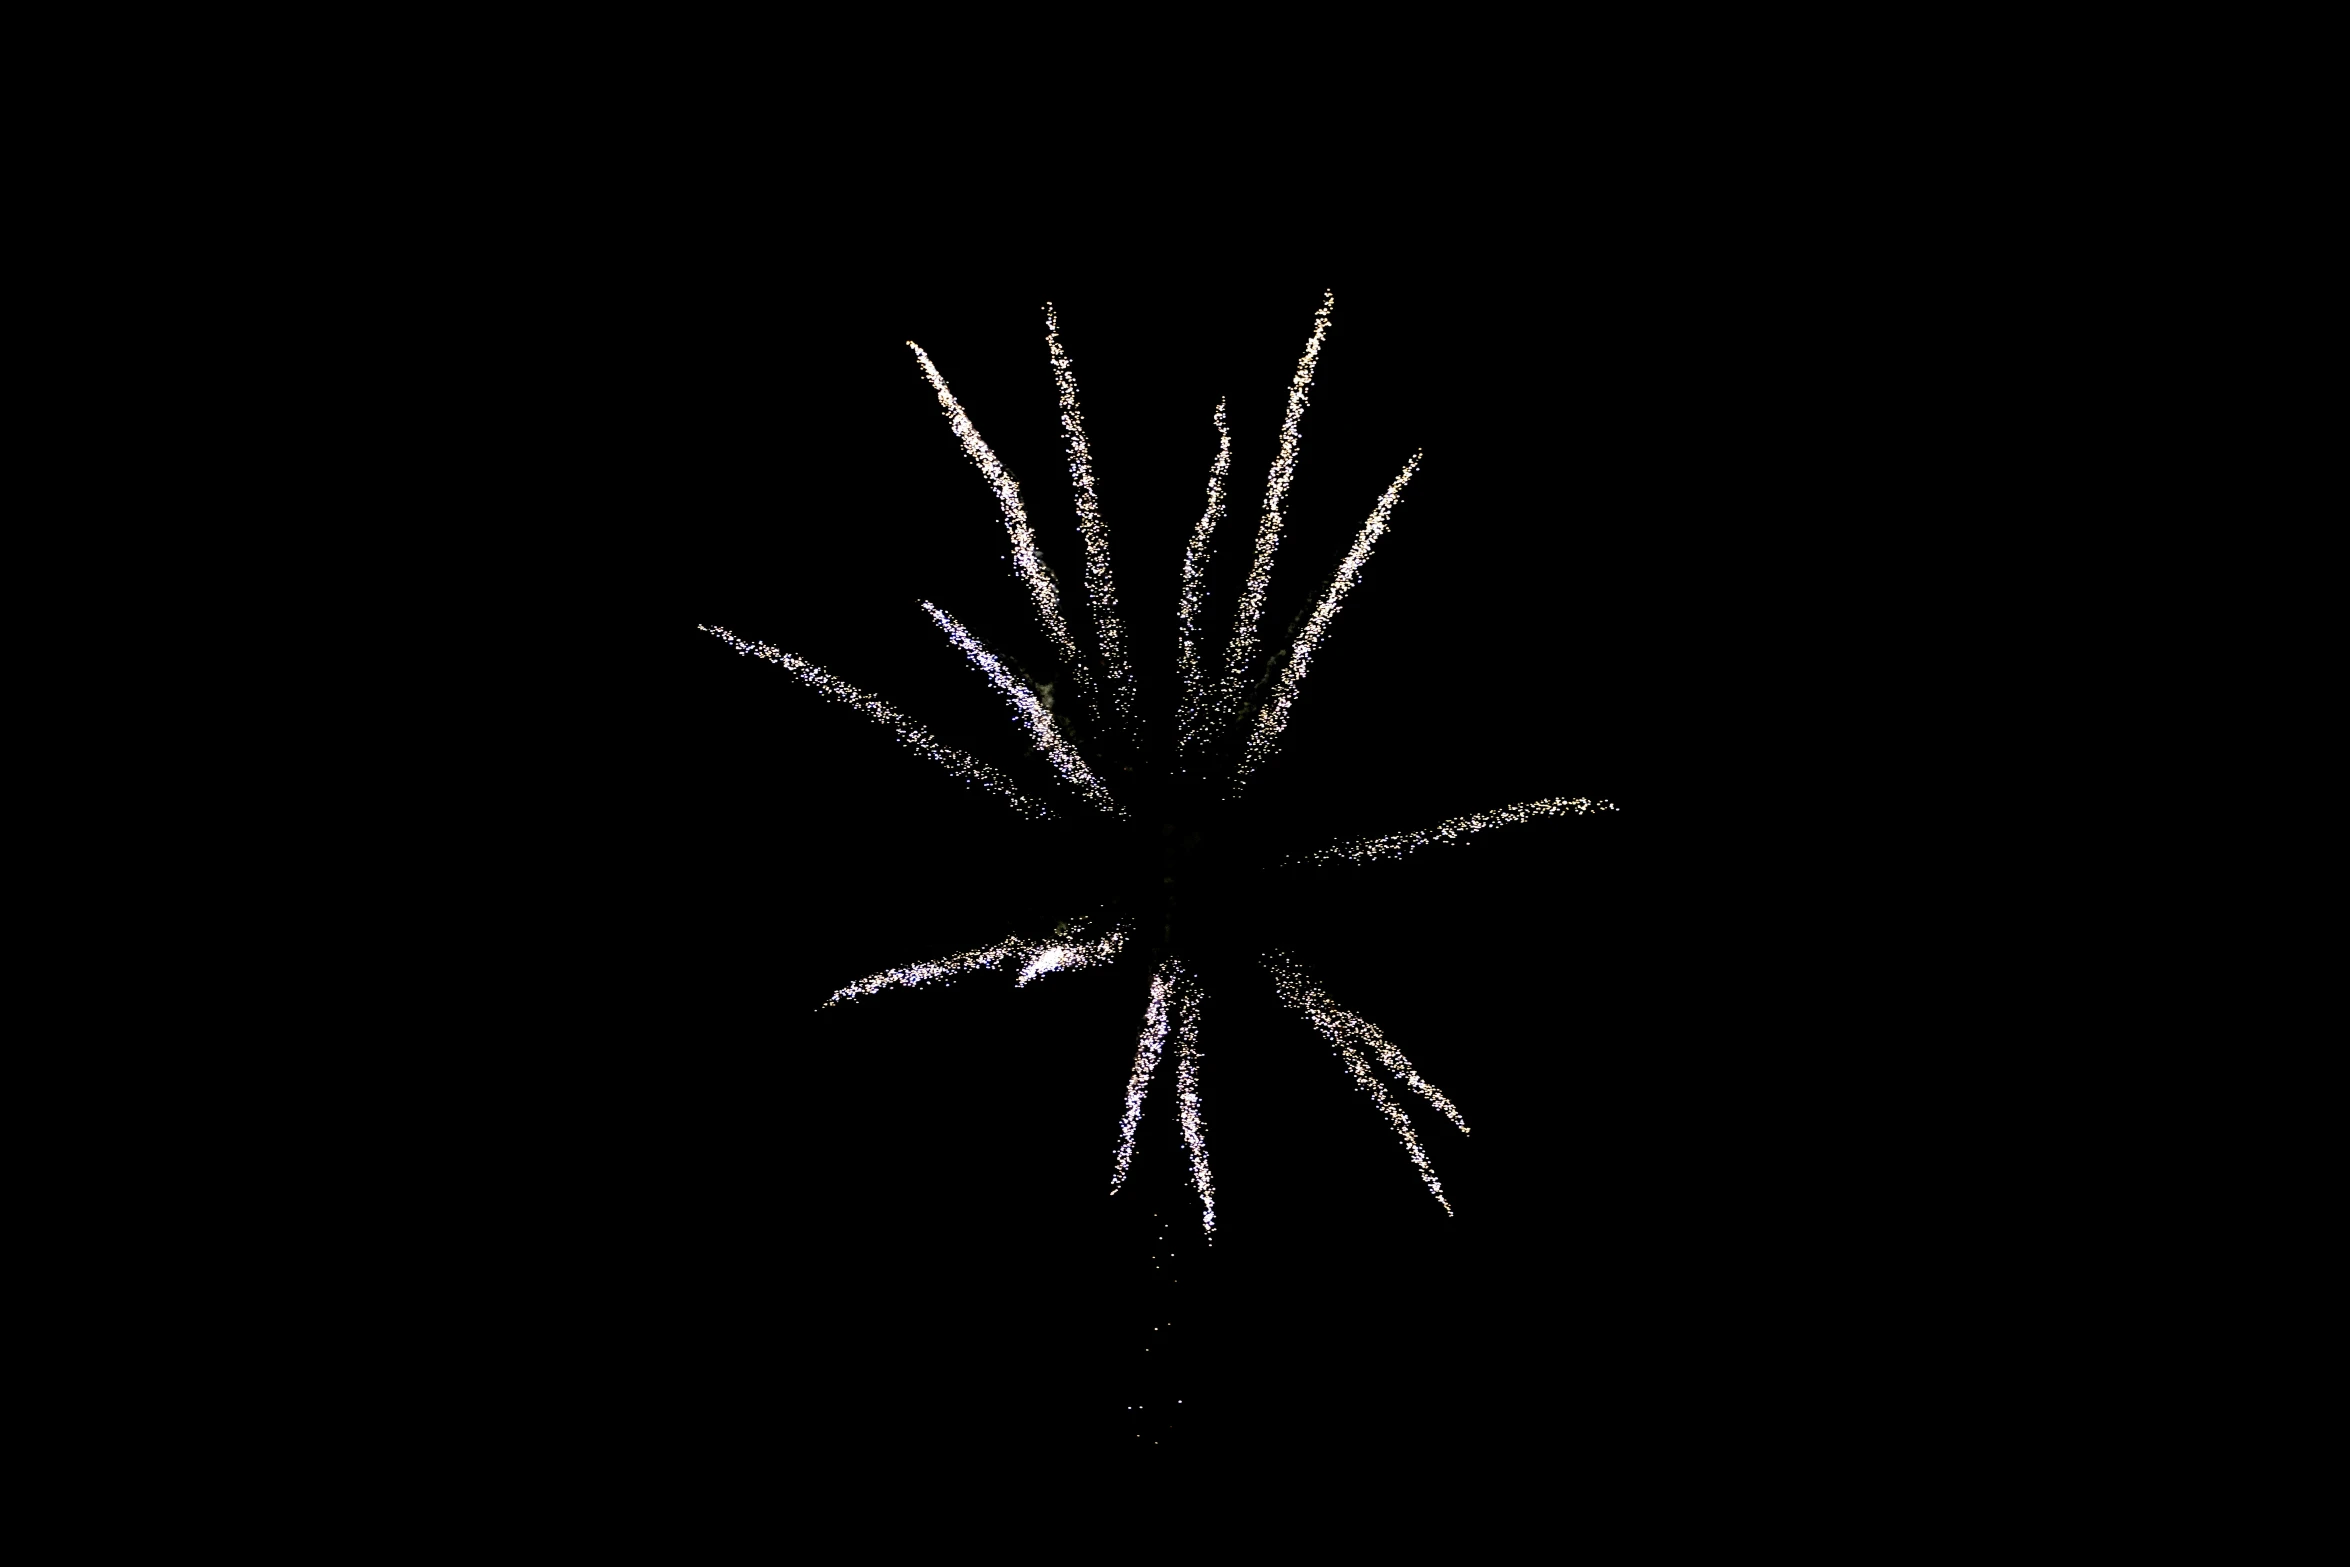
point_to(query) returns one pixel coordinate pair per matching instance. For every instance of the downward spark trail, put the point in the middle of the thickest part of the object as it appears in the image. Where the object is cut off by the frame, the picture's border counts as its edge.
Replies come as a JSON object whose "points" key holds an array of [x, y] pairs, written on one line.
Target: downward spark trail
{"points": [[1351, 1037]]}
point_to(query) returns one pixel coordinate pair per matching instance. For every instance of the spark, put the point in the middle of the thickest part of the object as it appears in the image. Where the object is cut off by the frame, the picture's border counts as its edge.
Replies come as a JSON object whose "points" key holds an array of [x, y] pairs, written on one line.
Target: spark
{"points": [[1032, 568], [1189, 996], [1193, 719], [910, 734], [1061, 957], [1242, 650], [1101, 595], [1396, 845], [934, 968], [1343, 1029], [1273, 717], [1032, 713], [1335, 1021], [1146, 1061], [1070, 949]]}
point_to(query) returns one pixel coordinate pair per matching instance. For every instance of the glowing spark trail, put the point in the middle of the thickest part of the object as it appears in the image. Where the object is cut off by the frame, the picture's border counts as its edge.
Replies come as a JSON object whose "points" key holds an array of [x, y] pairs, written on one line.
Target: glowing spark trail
{"points": [[912, 735], [1033, 571], [1336, 1022], [1100, 595], [1031, 713], [1273, 717], [1192, 720], [1036, 957], [935, 968], [1059, 957], [1243, 649], [1195, 1130], [1343, 1029], [1395, 845], [1146, 1061]]}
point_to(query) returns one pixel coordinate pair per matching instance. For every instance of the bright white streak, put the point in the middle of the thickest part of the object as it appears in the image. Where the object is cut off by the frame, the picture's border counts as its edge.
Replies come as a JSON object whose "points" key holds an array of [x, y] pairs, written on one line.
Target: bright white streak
{"points": [[1032, 568], [1032, 713], [1337, 1022], [1295, 991], [910, 734], [1192, 721], [934, 968], [1195, 1130], [1036, 957], [1273, 717], [1395, 845], [1060, 957], [1146, 1062], [1100, 595], [1243, 649]]}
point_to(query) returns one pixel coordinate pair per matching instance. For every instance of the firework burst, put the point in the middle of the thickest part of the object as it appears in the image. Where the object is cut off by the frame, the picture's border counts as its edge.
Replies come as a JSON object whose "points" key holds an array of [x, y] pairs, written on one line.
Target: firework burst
{"points": [[1229, 713]]}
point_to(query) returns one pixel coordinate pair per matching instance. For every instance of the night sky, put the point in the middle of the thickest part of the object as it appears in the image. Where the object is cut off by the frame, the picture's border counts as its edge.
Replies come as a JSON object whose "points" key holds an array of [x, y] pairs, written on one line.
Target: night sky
{"points": [[886, 1227]]}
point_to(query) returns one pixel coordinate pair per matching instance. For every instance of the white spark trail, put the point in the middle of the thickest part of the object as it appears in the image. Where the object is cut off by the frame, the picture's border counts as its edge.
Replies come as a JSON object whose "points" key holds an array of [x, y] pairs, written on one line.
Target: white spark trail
{"points": [[910, 734], [1033, 715], [1243, 648], [1032, 568], [1336, 1021], [1146, 1062], [1192, 721], [1273, 717], [1195, 1129], [1332, 1022], [1061, 957], [1396, 845], [1037, 958], [1101, 595], [960, 963]]}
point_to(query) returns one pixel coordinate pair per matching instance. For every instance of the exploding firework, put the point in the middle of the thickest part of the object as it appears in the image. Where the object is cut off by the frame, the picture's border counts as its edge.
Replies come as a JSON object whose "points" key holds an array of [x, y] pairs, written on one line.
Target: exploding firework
{"points": [[1225, 723]]}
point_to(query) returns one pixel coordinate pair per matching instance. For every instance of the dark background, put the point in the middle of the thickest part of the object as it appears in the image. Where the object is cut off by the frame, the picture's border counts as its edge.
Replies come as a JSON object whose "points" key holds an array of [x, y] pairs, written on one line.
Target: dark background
{"points": [[884, 1228]]}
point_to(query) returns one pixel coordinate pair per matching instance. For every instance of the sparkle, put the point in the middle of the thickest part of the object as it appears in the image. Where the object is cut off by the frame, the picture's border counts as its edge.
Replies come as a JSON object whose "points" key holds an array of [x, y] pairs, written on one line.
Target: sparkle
{"points": [[1101, 596], [1034, 573], [1273, 717], [910, 734], [1032, 713], [1191, 722], [1350, 1035], [1396, 845], [1243, 649]]}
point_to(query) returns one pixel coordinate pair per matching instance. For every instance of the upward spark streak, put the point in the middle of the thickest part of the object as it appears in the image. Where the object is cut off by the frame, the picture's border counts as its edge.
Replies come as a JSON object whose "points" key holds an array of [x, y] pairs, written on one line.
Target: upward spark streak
{"points": [[1243, 650], [910, 734], [1273, 717], [1034, 573], [1395, 845], [1031, 713], [1101, 595], [1191, 723]]}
